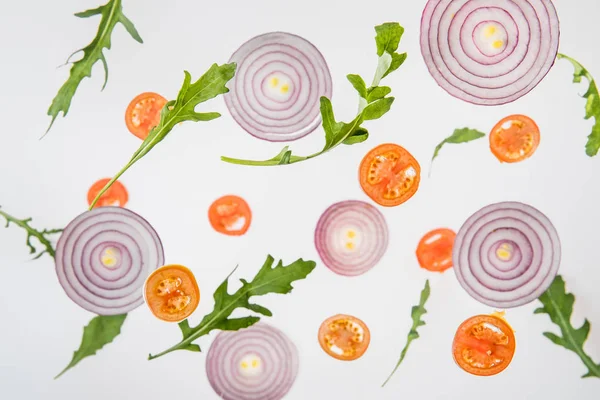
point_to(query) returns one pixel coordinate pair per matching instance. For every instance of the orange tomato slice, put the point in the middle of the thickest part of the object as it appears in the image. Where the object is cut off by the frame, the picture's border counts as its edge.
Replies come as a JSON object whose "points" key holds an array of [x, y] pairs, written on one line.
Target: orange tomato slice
{"points": [[389, 175], [344, 337], [230, 215], [514, 138], [143, 113], [171, 293], [484, 345], [116, 195], [434, 251]]}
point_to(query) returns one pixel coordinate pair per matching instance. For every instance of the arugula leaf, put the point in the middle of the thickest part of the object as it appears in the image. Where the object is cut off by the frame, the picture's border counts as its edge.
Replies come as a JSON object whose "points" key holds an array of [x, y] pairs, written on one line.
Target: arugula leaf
{"points": [[416, 314], [41, 236], [208, 86], [462, 135], [592, 106], [112, 14], [267, 280], [373, 103], [99, 332], [558, 304]]}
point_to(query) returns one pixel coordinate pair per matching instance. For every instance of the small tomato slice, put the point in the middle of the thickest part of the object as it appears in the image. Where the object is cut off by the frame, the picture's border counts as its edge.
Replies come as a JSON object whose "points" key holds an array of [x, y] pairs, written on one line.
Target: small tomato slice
{"points": [[434, 251], [143, 113], [344, 337], [514, 138], [172, 293], [484, 345], [116, 195], [230, 215], [389, 175]]}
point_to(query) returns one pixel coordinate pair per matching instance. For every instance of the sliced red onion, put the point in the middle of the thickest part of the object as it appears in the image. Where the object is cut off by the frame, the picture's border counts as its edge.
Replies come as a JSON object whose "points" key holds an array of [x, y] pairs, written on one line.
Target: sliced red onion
{"points": [[103, 258], [255, 363], [506, 254], [489, 52], [351, 237], [275, 92]]}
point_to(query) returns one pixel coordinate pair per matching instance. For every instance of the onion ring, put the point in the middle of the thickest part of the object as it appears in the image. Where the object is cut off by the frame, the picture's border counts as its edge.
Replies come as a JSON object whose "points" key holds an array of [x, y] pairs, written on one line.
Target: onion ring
{"points": [[489, 52], [103, 258], [351, 237], [255, 363], [506, 254], [275, 93]]}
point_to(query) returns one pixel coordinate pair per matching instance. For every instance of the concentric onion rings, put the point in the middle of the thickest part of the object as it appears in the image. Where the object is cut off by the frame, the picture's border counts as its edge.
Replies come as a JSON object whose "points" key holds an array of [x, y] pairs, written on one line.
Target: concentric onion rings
{"points": [[103, 258], [255, 363], [489, 52], [351, 237], [275, 93], [506, 254]]}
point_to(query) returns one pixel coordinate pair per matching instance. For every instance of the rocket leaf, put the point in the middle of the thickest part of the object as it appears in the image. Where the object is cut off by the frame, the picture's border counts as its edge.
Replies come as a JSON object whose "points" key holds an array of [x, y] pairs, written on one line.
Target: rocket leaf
{"points": [[372, 103], [41, 236], [462, 135], [210, 85], [416, 314], [99, 332], [111, 14], [267, 280], [558, 304], [592, 106]]}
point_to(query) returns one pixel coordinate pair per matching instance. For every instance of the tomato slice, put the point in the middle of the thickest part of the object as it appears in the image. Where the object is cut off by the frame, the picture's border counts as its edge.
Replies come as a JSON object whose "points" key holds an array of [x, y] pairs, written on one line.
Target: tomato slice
{"points": [[389, 175], [143, 113], [514, 138], [172, 293], [116, 195], [344, 337], [434, 251], [230, 215], [484, 345]]}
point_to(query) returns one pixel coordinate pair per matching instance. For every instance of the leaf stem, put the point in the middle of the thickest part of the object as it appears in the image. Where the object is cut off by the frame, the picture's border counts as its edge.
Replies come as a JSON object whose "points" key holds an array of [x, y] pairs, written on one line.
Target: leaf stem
{"points": [[31, 232]]}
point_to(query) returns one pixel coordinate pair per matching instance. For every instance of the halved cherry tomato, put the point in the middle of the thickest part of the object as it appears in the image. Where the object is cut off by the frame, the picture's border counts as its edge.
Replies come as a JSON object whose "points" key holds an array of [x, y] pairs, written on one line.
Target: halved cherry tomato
{"points": [[484, 345], [434, 251], [116, 195], [143, 113], [515, 138], [389, 175], [230, 215], [172, 293], [344, 337]]}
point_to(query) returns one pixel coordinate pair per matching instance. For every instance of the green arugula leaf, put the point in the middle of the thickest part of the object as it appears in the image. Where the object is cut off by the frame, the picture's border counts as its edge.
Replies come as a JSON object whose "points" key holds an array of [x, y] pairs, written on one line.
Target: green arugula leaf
{"points": [[558, 304], [111, 14], [462, 135], [41, 236], [373, 103], [209, 86], [98, 333], [269, 279], [592, 106], [416, 314]]}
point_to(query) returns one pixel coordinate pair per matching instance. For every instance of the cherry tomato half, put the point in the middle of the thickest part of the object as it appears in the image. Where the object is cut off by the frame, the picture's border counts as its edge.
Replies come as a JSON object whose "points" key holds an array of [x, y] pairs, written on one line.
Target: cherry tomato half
{"points": [[484, 345], [143, 113], [514, 138], [116, 195], [344, 337], [389, 175], [171, 293], [230, 215], [434, 251]]}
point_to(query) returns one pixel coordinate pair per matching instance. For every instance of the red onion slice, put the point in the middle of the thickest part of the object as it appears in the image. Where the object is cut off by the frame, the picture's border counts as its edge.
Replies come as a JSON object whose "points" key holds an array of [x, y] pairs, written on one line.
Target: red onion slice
{"points": [[255, 363], [489, 52], [103, 258], [506, 254], [275, 92], [351, 237]]}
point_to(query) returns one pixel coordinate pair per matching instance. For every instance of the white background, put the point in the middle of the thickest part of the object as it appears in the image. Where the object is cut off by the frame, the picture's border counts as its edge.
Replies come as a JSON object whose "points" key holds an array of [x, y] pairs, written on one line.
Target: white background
{"points": [[174, 185]]}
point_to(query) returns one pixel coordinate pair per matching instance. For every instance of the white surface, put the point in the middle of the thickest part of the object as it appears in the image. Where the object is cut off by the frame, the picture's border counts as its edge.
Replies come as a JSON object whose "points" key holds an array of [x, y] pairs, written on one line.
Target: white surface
{"points": [[174, 185]]}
